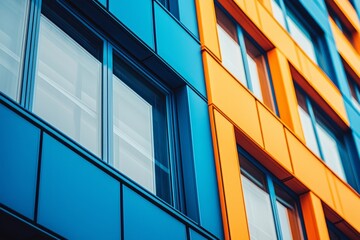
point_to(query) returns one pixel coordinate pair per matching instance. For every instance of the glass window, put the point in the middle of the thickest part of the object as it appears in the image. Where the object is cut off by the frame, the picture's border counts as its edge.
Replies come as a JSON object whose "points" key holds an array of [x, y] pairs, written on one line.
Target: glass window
{"points": [[139, 131], [172, 6], [68, 86], [295, 27], [301, 36], [244, 59], [320, 137], [287, 209], [232, 58], [354, 89], [278, 13], [305, 119], [12, 38], [259, 79], [264, 199]]}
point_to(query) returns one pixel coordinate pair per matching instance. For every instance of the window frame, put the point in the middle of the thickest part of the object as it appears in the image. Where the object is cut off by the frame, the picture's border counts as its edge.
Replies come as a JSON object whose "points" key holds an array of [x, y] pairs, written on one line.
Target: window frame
{"points": [[270, 181], [172, 6], [321, 48], [241, 34], [171, 123], [317, 116], [107, 48]]}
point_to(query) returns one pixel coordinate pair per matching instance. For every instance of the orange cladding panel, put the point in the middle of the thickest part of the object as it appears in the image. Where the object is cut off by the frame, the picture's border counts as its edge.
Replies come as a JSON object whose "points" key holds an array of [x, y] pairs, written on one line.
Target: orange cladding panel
{"points": [[314, 217], [309, 169], [284, 91], [232, 98], [230, 172], [207, 26], [274, 137]]}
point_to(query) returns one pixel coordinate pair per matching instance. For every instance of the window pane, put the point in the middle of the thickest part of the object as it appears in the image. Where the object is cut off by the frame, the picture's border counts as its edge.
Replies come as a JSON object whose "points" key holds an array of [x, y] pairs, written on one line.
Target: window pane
{"points": [[306, 124], [301, 36], [12, 34], [258, 74], [133, 136], [140, 131], [278, 13], [68, 86], [288, 215], [258, 210], [330, 150], [229, 47]]}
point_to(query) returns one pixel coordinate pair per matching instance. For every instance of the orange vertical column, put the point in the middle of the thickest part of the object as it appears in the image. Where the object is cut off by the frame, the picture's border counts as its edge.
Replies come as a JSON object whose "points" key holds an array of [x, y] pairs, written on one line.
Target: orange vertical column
{"points": [[284, 91], [314, 217], [228, 172]]}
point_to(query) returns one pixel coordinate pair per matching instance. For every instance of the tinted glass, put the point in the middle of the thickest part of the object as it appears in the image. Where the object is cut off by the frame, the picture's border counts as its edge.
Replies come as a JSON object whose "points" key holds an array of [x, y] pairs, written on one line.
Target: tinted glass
{"points": [[331, 147], [140, 131], [259, 79], [301, 36], [133, 136], [229, 46], [258, 211], [278, 13], [288, 215], [306, 124], [68, 86], [12, 34]]}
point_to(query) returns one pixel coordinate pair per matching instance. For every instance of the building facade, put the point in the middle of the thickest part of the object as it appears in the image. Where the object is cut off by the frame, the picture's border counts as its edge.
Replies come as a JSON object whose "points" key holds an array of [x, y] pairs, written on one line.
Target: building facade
{"points": [[179, 119]]}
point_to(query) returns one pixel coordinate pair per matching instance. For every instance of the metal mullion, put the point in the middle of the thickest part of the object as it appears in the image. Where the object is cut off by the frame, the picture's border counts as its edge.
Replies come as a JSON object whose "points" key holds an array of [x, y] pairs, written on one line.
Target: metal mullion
{"points": [[30, 55], [107, 113], [274, 209]]}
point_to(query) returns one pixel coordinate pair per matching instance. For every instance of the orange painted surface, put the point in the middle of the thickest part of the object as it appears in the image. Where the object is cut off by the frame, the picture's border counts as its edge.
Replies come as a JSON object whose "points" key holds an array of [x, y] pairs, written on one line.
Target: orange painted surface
{"points": [[232, 98], [207, 26], [309, 169], [251, 11], [350, 202], [314, 217], [230, 176], [274, 137], [348, 10], [238, 118], [277, 34], [331, 178], [347, 52], [284, 91]]}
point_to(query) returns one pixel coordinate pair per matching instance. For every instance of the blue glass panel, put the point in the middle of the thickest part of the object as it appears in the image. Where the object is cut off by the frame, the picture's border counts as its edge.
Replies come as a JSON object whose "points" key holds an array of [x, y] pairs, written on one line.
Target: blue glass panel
{"points": [[196, 236], [142, 219], [209, 206], [187, 11], [179, 49], [19, 147], [76, 199], [137, 16]]}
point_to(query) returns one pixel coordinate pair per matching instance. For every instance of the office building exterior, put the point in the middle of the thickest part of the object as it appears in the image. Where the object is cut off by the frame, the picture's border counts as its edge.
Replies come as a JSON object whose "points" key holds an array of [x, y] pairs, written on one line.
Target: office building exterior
{"points": [[179, 119]]}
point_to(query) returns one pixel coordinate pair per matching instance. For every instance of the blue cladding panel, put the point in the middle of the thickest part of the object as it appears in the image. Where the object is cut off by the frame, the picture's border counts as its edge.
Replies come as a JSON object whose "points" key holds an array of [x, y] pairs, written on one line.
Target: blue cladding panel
{"points": [[143, 220], [187, 13], [196, 236], [209, 205], [19, 147], [103, 2], [76, 200], [179, 49], [137, 16]]}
